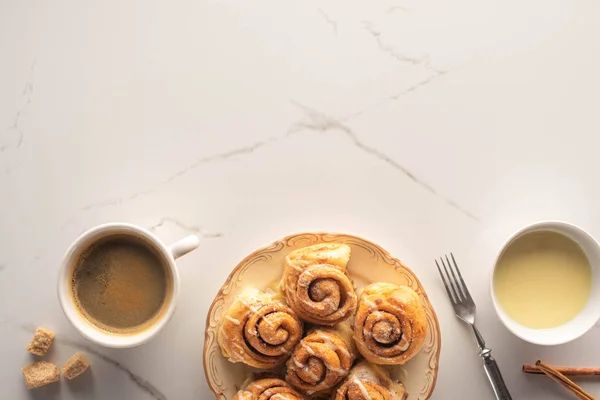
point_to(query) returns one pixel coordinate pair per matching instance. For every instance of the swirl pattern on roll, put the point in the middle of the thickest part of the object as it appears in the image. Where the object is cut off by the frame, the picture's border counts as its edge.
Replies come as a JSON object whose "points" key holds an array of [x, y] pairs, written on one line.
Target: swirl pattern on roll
{"points": [[316, 284], [390, 326], [259, 330], [368, 381], [321, 360], [267, 389]]}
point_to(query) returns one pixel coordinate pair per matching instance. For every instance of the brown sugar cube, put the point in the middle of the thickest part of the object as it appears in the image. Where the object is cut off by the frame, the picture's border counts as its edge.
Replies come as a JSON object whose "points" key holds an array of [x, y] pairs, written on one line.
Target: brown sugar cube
{"points": [[75, 366], [39, 374], [41, 342]]}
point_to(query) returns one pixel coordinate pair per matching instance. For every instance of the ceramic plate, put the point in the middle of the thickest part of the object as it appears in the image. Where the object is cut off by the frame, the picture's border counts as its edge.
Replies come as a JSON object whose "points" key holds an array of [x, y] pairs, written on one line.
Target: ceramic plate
{"points": [[263, 269]]}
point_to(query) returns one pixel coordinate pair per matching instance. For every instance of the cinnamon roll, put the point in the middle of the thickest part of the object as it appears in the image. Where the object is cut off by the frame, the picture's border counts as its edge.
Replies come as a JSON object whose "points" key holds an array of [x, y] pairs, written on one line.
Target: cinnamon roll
{"points": [[321, 360], [316, 284], [268, 388], [390, 324], [259, 330], [368, 381]]}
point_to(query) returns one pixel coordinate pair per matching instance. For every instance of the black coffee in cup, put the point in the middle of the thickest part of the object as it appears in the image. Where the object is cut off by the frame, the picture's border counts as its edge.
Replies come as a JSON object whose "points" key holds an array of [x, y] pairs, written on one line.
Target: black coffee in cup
{"points": [[121, 284]]}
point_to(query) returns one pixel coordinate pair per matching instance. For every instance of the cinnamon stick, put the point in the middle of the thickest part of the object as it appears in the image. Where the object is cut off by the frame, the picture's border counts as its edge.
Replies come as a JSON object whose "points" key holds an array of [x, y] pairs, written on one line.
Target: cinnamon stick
{"points": [[567, 371], [557, 377]]}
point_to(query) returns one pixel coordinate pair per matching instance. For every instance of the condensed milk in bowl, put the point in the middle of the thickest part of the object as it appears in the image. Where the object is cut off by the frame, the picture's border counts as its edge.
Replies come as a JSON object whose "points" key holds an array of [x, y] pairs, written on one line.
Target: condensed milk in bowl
{"points": [[546, 283]]}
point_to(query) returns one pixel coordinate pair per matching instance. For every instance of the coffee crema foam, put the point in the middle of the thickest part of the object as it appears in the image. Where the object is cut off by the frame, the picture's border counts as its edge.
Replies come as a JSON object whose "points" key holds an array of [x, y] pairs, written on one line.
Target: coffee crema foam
{"points": [[121, 285]]}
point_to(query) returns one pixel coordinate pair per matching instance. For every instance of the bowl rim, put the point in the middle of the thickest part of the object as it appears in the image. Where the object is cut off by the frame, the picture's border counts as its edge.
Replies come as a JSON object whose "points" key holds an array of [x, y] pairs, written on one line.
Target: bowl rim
{"points": [[557, 226], [283, 241]]}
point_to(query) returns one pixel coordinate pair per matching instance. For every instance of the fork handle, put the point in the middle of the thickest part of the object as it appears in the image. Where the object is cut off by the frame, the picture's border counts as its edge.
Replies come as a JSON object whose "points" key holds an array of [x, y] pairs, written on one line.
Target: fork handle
{"points": [[494, 375]]}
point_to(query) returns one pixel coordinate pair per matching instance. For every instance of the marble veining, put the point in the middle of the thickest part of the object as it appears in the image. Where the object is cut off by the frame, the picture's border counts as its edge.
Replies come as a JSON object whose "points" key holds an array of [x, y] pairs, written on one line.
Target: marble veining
{"points": [[419, 85], [328, 19], [422, 125], [320, 122], [392, 52], [26, 95], [79, 345], [393, 9], [192, 229], [204, 160], [142, 383]]}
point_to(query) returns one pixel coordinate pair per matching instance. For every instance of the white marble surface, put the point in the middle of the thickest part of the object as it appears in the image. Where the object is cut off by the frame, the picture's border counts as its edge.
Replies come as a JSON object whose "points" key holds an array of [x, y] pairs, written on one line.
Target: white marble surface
{"points": [[426, 126]]}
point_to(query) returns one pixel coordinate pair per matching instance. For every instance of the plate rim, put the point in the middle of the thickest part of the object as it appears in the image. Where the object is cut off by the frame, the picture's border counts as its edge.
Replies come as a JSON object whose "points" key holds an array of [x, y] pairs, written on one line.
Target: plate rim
{"points": [[284, 240]]}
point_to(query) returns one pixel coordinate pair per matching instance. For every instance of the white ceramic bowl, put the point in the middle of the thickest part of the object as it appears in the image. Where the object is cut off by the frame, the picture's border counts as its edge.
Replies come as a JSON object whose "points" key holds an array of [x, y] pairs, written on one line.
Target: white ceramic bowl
{"points": [[590, 313]]}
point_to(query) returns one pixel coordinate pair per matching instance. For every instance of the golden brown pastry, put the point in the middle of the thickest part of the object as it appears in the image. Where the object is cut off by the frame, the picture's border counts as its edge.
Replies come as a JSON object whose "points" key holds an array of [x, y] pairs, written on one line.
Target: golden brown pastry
{"points": [[390, 324], [268, 388], [316, 284], [259, 330], [322, 359], [368, 381]]}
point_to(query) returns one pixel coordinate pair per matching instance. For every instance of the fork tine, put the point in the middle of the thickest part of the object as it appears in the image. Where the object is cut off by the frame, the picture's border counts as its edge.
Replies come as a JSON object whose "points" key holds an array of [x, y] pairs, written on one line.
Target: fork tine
{"points": [[464, 285], [450, 295], [453, 282], [456, 281]]}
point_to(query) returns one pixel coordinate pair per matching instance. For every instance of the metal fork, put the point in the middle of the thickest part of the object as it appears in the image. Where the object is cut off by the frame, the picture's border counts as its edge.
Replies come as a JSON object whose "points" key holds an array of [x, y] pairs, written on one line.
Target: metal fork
{"points": [[464, 308]]}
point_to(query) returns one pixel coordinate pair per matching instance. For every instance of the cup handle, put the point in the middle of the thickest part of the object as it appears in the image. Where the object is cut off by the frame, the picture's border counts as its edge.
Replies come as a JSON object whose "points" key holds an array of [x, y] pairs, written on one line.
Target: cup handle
{"points": [[184, 246]]}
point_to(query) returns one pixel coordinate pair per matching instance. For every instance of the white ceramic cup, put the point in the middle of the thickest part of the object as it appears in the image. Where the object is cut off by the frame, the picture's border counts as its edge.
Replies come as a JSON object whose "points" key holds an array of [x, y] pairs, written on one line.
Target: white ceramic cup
{"points": [[591, 311], [168, 254]]}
